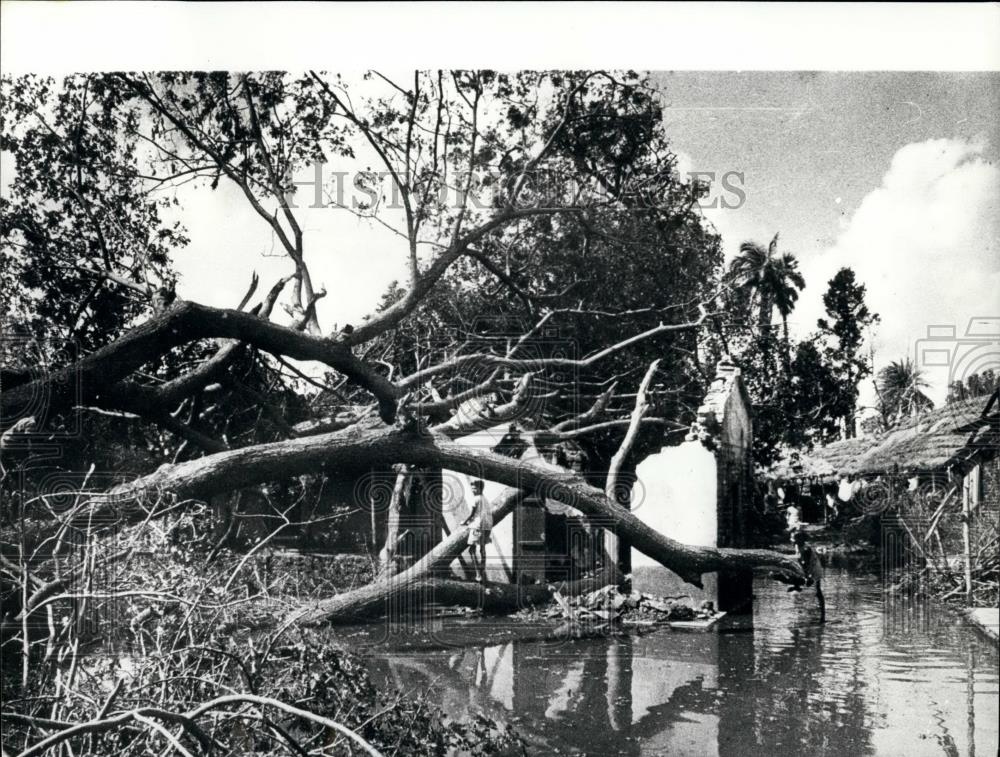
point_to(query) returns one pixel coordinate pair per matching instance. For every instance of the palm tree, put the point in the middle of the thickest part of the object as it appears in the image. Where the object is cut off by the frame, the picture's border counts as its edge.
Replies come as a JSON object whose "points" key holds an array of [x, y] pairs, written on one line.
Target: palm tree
{"points": [[771, 279], [900, 386]]}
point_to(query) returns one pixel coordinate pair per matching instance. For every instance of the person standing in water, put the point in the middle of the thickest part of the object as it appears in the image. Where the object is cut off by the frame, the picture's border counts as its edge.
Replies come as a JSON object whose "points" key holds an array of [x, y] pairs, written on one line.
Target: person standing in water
{"points": [[812, 567], [793, 519], [481, 519]]}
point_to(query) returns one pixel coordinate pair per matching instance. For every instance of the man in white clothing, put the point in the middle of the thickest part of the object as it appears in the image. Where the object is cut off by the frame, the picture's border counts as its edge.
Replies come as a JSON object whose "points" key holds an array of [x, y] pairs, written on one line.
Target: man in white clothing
{"points": [[481, 518]]}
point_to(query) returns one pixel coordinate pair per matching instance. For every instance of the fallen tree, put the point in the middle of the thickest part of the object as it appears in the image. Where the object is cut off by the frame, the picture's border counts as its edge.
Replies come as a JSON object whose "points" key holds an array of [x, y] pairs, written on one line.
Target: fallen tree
{"points": [[402, 599], [511, 308], [221, 472], [358, 448]]}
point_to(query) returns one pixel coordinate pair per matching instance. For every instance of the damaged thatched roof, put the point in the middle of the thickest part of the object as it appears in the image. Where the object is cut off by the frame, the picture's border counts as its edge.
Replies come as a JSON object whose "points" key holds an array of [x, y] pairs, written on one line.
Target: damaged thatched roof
{"points": [[827, 462], [951, 435]]}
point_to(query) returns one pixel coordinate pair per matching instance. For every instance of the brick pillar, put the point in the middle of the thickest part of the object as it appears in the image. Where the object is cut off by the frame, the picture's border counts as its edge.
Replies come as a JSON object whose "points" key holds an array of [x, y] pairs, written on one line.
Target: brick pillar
{"points": [[732, 442]]}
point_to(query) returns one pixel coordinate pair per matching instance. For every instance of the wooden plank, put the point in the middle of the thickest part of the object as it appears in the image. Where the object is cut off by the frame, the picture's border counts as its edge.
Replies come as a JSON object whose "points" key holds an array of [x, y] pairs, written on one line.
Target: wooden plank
{"points": [[696, 625], [936, 517], [966, 540]]}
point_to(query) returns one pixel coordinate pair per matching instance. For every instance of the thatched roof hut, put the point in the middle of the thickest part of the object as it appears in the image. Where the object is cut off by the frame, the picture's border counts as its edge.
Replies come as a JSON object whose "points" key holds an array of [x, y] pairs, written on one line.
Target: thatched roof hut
{"points": [[953, 435], [959, 434]]}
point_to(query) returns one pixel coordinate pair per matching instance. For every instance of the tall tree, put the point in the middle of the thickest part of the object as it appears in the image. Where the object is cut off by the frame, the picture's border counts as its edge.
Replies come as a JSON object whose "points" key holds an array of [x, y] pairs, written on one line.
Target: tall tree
{"points": [[813, 393], [772, 279], [843, 333], [761, 279]]}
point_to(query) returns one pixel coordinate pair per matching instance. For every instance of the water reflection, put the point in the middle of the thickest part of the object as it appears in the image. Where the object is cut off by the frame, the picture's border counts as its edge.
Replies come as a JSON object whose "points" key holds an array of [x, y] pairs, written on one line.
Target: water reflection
{"points": [[870, 682]]}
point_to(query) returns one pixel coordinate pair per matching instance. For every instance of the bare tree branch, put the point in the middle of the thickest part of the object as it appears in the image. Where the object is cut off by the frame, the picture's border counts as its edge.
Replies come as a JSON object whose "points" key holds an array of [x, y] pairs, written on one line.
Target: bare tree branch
{"points": [[641, 408], [357, 449]]}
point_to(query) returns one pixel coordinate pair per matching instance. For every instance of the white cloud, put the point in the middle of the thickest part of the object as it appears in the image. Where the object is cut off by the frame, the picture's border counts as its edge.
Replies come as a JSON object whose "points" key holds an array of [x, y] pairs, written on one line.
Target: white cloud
{"points": [[925, 243]]}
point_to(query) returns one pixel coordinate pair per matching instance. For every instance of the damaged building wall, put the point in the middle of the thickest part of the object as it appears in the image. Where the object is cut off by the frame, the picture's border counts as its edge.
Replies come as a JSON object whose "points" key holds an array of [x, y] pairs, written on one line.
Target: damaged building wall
{"points": [[699, 492]]}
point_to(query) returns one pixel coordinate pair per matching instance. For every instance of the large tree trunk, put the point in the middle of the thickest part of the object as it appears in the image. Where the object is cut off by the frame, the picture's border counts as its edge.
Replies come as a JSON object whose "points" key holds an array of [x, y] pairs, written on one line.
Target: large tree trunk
{"points": [[95, 376], [496, 597], [402, 601], [374, 599], [687, 561], [361, 449]]}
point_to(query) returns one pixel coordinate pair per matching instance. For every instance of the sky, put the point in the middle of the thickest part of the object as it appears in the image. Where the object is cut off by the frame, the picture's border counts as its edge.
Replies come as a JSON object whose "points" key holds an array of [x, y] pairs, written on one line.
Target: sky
{"points": [[892, 174]]}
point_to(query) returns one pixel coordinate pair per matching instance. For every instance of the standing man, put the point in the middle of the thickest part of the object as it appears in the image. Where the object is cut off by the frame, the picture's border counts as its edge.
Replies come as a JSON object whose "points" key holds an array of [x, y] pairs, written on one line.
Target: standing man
{"points": [[833, 512], [812, 567], [793, 518], [481, 518]]}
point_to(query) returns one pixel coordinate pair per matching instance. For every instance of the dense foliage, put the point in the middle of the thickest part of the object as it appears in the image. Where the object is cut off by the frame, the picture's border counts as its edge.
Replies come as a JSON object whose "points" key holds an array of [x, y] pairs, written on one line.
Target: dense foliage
{"points": [[804, 392], [554, 255]]}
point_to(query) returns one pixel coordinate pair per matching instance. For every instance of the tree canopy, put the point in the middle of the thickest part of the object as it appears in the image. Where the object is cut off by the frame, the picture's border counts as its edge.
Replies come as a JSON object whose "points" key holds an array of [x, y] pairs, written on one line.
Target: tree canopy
{"points": [[558, 273], [552, 253]]}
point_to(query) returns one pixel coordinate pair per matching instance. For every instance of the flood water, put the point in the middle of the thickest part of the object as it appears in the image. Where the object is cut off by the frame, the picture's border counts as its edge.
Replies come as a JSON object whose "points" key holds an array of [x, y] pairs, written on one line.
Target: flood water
{"points": [[883, 676]]}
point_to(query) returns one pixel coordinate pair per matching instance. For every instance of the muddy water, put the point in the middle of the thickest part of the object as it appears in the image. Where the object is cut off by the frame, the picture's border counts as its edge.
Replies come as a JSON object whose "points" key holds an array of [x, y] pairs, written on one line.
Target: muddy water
{"points": [[882, 677]]}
